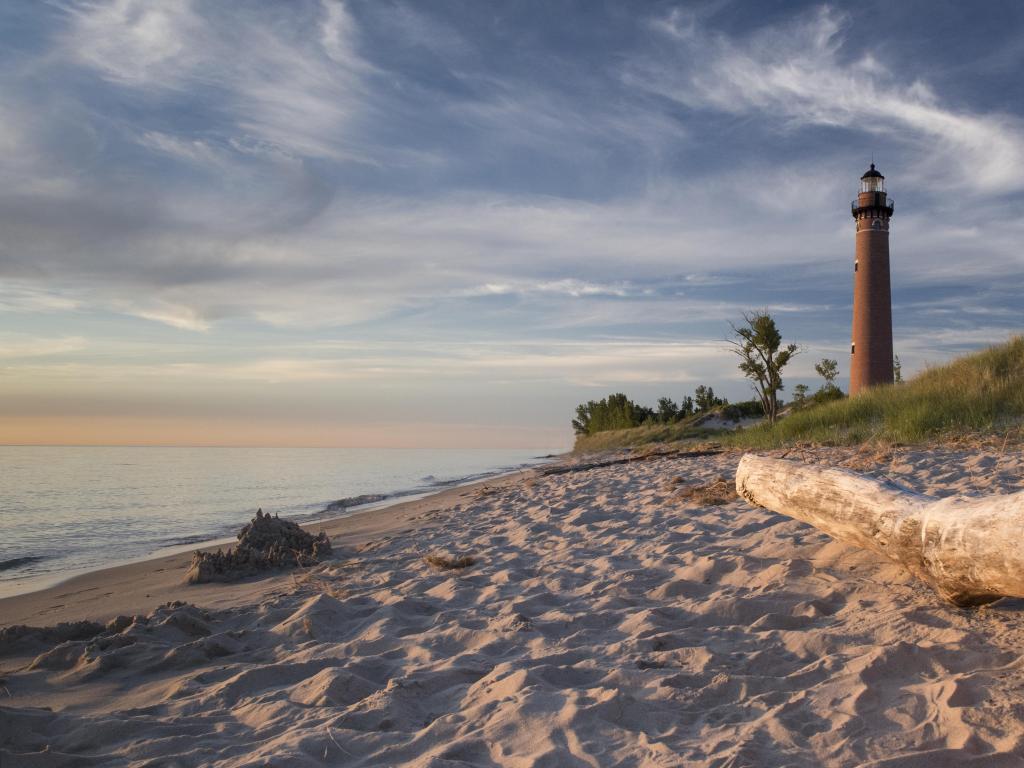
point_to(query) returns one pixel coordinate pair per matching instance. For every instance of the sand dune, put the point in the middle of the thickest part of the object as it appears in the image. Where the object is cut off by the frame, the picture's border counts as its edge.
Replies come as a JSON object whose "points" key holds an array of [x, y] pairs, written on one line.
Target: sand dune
{"points": [[610, 619]]}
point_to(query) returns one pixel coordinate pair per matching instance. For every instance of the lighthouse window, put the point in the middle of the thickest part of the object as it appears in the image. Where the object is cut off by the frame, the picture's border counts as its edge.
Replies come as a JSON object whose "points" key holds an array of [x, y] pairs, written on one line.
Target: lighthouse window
{"points": [[855, 265], [853, 348], [872, 184]]}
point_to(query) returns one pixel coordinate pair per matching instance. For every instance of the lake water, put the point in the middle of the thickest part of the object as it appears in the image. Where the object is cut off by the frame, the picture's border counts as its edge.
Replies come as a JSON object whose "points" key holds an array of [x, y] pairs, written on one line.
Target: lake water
{"points": [[65, 510]]}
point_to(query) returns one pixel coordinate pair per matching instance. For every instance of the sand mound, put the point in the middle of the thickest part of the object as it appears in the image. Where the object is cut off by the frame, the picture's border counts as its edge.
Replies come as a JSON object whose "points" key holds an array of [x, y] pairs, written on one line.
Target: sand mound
{"points": [[265, 543], [22, 636]]}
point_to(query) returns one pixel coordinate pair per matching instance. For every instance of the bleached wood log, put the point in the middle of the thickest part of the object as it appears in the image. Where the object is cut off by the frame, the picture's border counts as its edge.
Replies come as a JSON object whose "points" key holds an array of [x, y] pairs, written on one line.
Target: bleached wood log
{"points": [[970, 549]]}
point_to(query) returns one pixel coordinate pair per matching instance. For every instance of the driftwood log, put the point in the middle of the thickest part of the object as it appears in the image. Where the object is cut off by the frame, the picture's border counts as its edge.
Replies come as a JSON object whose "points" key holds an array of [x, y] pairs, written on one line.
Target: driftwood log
{"points": [[970, 549]]}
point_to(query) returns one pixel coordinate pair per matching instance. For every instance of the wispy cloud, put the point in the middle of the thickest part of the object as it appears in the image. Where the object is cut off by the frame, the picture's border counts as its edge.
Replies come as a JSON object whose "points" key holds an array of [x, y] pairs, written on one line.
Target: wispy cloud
{"points": [[137, 43], [588, 364], [799, 73], [19, 346], [190, 150], [565, 287], [271, 80]]}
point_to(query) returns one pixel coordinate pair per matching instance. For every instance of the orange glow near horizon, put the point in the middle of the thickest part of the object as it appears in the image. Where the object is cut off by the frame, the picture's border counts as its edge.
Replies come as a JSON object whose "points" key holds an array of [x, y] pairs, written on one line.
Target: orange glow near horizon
{"points": [[155, 431]]}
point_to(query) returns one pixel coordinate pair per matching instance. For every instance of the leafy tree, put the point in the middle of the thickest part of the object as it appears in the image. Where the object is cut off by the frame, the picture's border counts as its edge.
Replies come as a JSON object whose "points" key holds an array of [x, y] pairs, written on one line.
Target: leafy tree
{"points": [[897, 370], [668, 411], [758, 344], [613, 412], [581, 424], [800, 395], [704, 399], [618, 413], [643, 415], [686, 407], [829, 371]]}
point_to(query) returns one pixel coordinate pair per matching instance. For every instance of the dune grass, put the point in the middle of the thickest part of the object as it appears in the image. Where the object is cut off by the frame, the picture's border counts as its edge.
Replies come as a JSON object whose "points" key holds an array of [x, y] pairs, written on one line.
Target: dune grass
{"points": [[978, 393], [655, 433], [981, 393]]}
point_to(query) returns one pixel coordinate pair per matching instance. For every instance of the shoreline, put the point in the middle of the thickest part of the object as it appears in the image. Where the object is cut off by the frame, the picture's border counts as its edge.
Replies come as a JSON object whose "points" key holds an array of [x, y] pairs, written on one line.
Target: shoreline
{"points": [[140, 585], [73, 513], [228, 535]]}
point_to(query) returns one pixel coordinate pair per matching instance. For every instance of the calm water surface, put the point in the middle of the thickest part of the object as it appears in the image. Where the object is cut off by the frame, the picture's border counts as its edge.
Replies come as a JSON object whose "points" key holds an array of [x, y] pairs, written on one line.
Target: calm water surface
{"points": [[69, 509]]}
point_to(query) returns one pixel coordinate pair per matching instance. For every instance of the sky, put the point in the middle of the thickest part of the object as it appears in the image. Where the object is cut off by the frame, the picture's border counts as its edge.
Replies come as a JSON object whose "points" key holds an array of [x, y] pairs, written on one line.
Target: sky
{"points": [[433, 224]]}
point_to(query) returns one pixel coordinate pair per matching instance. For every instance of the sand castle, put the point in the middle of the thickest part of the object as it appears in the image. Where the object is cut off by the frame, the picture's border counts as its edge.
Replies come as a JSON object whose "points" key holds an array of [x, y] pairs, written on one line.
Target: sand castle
{"points": [[264, 543]]}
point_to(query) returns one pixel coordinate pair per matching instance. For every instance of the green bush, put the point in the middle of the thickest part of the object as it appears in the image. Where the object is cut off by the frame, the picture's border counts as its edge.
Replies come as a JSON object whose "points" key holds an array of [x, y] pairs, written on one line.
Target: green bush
{"points": [[746, 409]]}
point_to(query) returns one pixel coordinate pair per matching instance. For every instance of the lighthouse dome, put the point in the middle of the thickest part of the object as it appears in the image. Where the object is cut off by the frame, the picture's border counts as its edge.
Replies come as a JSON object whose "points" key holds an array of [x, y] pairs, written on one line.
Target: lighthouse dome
{"points": [[872, 181], [872, 173]]}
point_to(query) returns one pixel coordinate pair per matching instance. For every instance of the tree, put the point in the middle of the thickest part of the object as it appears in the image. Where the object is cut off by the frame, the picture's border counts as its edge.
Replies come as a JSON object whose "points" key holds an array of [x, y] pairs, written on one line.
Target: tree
{"points": [[668, 411], [613, 412], [897, 370], [800, 395], [829, 371], [758, 344], [686, 407], [829, 391], [704, 398], [617, 413], [643, 415]]}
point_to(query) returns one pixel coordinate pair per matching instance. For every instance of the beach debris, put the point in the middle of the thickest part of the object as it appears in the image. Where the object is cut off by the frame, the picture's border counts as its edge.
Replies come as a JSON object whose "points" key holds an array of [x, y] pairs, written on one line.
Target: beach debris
{"points": [[266, 543], [447, 562], [519, 623], [719, 491], [967, 548]]}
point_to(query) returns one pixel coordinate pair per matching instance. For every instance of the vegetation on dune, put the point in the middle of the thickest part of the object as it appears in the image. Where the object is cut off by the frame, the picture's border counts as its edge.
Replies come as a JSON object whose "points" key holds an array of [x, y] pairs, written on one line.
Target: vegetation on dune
{"points": [[829, 391], [982, 392], [978, 393], [652, 433], [617, 412], [693, 427], [613, 412], [616, 421]]}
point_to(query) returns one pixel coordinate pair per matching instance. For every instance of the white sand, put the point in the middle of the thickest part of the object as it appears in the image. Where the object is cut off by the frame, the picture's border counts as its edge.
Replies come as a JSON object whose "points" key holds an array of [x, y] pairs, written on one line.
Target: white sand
{"points": [[606, 623]]}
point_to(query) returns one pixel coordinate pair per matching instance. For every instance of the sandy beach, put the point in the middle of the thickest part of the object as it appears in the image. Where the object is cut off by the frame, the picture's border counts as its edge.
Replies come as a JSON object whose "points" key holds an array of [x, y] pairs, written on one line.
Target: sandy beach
{"points": [[614, 616]]}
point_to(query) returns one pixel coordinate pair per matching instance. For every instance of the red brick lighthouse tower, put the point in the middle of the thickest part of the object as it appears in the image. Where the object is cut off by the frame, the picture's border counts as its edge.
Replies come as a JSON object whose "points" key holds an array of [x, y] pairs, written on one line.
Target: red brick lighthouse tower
{"points": [[871, 347]]}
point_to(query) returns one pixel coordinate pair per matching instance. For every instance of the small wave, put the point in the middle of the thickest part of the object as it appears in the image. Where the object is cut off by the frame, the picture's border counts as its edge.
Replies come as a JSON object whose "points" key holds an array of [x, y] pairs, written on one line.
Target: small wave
{"points": [[356, 501], [182, 541], [431, 483], [446, 483], [17, 562]]}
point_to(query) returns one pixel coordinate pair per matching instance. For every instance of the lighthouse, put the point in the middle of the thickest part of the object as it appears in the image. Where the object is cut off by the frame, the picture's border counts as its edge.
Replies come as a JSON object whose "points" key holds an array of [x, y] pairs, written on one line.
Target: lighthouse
{"points": [[871, 338]]}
